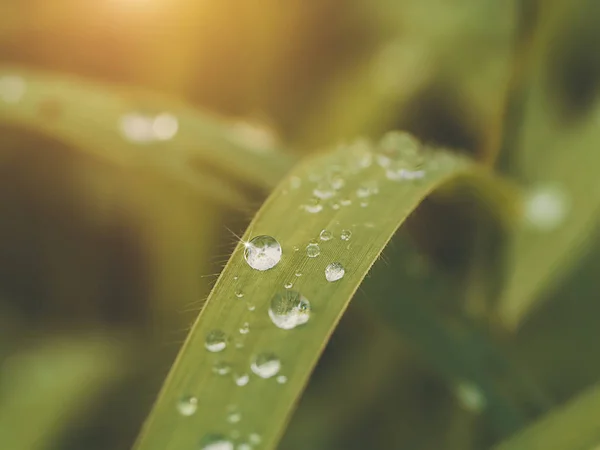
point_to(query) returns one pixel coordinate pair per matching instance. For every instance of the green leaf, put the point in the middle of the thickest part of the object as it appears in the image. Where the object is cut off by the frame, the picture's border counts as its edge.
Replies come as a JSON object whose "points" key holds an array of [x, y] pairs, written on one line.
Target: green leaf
{"points": [[365, 203], [43, 388], [192, 146], [574, 426], [554, 157]]}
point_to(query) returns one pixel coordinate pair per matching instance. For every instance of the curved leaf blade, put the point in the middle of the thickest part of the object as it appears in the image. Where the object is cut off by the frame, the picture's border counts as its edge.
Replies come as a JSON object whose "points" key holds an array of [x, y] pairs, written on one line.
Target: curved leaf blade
{"points": [[263, 404]]}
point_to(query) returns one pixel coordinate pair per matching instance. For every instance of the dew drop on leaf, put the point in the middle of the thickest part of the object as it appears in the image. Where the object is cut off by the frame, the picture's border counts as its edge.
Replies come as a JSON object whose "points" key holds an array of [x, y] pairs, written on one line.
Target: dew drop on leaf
{"points": [[545, 207], [313, 205], [216, 341], [313, 250], [242, 379], [245, 328], [334, 272], [262, 252], [239, 294], [326, 235], [187, 406], [266, 365], [216, 442], [289, 309], [234, 417], [345, 235], [281, 379], [221, 368]]}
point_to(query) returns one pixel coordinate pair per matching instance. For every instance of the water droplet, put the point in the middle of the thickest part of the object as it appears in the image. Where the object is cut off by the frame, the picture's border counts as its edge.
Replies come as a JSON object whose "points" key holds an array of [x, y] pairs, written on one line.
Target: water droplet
{"points": [[295, 182], [216, 341], [399, 148], [360, 155], [187, 406], [137, 127], [345, 202], [367, 189], [364, 204], [346, 235], [262, 253], [216, 442], [251, 307], [400, 173], [324, 190], [326, 235], [313, 206], [221, 368], [288, 285], [296, 248], [266, 365], [239, 294], [298, 274], [239, 345], [245, 328], [255, 438], [242, 380], [12, 88], [470, 396], [236, 278], [334, 271], [313, 250], [545, 207], [281, 379], [289, 309], [165, 126], [234, 417], [335, 206]]}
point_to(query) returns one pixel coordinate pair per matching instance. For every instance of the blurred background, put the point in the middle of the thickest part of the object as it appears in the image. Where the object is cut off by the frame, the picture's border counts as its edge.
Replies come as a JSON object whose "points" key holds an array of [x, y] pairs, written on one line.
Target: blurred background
{"points": [[109, 246]]}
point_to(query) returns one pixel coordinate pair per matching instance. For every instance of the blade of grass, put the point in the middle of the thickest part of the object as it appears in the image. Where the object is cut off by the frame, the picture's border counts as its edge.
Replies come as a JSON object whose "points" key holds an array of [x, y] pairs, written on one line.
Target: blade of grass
{"points": [[43, 388], [368, 205], [574, 426], [554, 158], [119, 124]]}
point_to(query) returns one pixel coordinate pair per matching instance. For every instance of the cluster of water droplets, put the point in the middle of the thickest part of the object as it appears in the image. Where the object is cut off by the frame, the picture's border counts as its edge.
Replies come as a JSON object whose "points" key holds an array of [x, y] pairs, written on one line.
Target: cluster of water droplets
{"points": [[145, 128]]}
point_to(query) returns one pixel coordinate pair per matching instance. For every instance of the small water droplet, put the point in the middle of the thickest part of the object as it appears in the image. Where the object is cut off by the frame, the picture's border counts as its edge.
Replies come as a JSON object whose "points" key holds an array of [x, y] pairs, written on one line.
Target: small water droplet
{"points": [[165, 126], [262, 252], [12, 88], [234, 417], [255, 438], [289, 309], [281, 379], [239, 294], [334, 272], [298, 274], [346, 235], [335, 206], [295, 182], [367, 189], [245, 328], [313, 250], [288, 285], [345, 202], [251, 307], [239, 345], [364, 204], [313, 206], [326, 235], [242, 380], [296, 248], [216, 341], [402, 174], [470, 396], [545, 207], [187, 406], [337, 182], [216, 442], [221, 368], [266, 365], [324, 190], [236, 278]]}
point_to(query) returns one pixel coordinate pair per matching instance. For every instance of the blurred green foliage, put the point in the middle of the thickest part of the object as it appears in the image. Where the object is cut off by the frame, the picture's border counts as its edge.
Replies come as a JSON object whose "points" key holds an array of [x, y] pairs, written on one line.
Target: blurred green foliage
{"points": [[121, 240]]}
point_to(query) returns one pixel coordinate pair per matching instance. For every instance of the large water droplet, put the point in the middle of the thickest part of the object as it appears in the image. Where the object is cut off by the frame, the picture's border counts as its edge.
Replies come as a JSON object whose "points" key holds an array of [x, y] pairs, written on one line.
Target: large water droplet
{"points": [[334, 272], [546, 207], [345, 235], [266, 365], [398, 147], [187, 406], [313, 250], [262, 253], [326, 235], [216, 442], [216, 341], [289, 309]]}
